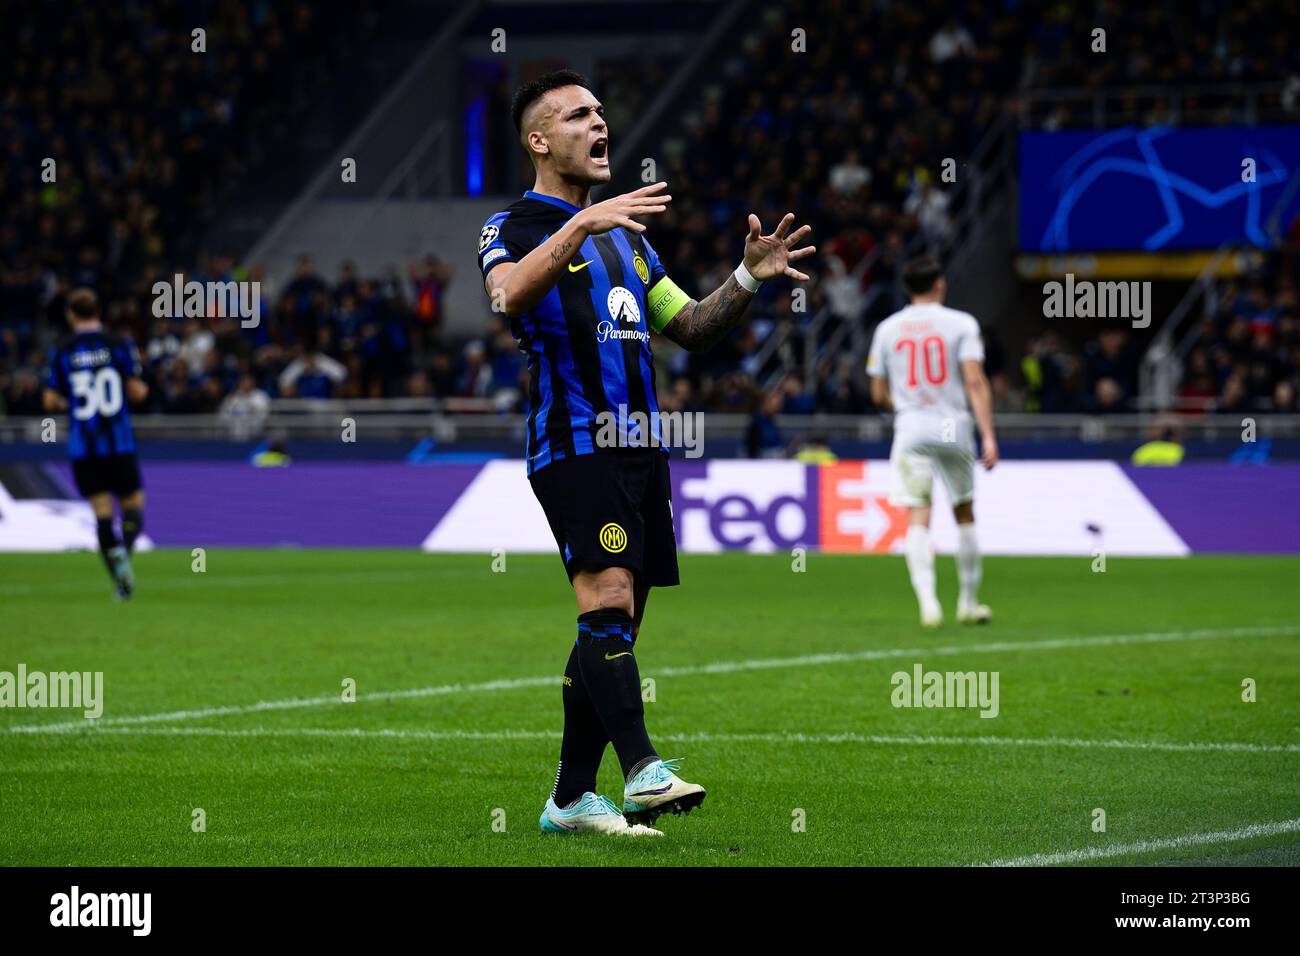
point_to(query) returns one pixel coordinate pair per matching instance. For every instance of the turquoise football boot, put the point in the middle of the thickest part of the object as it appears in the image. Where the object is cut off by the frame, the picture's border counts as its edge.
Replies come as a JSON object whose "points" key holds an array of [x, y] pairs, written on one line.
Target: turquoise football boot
{"points": [[657, 790], [591, 814]]}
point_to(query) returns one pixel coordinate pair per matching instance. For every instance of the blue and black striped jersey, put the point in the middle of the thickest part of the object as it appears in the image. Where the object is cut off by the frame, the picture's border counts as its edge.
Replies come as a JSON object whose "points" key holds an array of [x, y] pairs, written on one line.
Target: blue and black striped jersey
{"points": [[587, 343], [90, 370]]}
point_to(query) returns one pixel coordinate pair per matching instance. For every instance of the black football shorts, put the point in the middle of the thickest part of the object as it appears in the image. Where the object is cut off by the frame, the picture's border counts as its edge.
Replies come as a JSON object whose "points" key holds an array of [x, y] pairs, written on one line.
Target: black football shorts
{"points": [[116, 474], [612, 509]]}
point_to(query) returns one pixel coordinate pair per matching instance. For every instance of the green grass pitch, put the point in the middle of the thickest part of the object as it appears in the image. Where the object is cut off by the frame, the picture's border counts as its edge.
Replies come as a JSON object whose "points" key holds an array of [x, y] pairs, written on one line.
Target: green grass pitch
{"points": [[794, 724]]}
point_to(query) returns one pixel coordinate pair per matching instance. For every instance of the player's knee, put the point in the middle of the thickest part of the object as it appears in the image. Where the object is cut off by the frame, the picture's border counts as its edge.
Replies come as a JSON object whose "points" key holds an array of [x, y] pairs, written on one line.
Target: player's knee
{"points": [[964, 512], [605, 588], [614, 589]]}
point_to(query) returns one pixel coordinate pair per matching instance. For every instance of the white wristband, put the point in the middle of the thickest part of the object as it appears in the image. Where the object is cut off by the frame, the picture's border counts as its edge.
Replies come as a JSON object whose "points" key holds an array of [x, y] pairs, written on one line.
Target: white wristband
{"points": [[747, 281]]}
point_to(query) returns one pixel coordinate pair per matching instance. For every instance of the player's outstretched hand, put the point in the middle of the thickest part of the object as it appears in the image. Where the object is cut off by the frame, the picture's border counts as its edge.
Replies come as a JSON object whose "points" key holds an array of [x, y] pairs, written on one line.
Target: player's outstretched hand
{"points": [[601, 217], [767, 257], [988, 453]]}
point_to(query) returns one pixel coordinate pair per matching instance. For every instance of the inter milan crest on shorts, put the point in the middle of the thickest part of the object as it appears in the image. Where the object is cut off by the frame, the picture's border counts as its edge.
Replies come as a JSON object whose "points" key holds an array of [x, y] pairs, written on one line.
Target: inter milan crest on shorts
{"points": [[613, 538]]}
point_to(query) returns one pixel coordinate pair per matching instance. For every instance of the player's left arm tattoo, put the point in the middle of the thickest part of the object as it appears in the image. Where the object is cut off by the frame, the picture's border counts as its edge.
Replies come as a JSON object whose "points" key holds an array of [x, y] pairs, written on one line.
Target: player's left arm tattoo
{"points": [[700, 325], [560, 253]]}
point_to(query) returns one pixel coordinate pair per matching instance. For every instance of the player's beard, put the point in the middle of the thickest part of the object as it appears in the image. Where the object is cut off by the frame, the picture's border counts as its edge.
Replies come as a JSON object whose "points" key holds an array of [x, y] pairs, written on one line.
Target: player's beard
{"points": [[584, 179], [586, 171], [587, 174], [577, 169]]}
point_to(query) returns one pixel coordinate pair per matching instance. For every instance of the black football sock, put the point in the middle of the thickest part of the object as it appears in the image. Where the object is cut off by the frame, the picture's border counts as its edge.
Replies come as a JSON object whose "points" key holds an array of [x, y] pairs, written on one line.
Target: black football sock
{"points": [[132, 523], [614, 683], [584, 738], [107, 542]]}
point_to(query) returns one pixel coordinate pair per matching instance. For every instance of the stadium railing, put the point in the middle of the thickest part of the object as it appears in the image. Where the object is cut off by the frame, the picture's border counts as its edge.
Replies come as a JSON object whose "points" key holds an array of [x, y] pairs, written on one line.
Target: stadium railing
{"points": [[1163, 362], [1248, 103], [454, 420]]}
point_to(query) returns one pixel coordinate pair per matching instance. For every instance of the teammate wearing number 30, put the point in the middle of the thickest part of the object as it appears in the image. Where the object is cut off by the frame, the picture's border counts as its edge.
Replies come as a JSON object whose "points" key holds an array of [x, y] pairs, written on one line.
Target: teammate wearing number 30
{"points": [[93, 376], [925, 362]]}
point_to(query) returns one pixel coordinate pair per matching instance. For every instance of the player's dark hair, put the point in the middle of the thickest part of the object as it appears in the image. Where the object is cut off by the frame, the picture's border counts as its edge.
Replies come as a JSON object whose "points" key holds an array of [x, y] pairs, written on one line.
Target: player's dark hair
{"points": [[83, 304], [921, 273], [532, 91]]}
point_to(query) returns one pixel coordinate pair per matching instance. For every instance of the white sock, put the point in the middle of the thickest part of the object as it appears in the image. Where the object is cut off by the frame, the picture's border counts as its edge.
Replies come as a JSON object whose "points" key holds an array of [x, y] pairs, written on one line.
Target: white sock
{"points": [[920, 566], [969, 571]]}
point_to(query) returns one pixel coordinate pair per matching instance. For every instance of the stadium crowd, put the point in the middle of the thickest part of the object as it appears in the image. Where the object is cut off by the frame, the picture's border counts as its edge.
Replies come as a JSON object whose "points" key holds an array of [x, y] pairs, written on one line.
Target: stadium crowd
{"points": [[118, 138], [1245, 352], [145, 137]]}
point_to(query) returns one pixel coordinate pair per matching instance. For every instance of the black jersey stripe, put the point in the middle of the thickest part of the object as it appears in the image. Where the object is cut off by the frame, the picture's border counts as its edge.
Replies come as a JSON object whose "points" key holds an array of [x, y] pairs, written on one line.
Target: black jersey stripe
{"points": [[559, 426], [575, 301], [534, 403]]}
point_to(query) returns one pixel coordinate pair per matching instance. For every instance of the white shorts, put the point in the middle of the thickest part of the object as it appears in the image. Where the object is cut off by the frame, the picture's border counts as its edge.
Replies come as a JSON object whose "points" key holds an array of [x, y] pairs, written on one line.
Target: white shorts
{"points": [[918, 452]]}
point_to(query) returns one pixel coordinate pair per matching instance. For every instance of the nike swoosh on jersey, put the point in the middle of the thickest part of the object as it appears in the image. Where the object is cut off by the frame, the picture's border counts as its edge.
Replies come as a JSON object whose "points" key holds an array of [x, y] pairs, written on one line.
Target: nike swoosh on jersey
{"points": [[579, 268], [610, 657]]}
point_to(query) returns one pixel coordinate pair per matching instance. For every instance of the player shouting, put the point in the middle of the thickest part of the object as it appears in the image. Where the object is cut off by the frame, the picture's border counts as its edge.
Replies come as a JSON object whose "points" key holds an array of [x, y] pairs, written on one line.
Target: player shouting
{"points": [[584, 290]]}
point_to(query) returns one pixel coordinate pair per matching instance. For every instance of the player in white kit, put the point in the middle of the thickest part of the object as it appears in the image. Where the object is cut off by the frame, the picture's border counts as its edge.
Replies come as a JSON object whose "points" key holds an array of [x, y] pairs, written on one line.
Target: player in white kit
{"points": [[926, 361]]}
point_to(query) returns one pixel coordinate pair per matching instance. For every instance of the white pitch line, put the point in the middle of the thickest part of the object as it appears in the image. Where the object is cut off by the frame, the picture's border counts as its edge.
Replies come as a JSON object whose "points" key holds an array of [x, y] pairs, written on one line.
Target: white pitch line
{"points": [[1150, 846], [718, 667], [90, 730], [294, 703], [209, 579]]}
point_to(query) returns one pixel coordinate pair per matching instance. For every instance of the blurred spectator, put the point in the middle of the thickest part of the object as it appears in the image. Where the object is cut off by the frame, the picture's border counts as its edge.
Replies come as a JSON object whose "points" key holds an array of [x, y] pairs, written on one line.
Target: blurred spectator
{"points": [[796, 400], [850, 175], [1110, 359], [1051, 374], [429, 281], [930, 207], [1284, 398], [950, 40], [1108, 397], [246, 409], [475, 378], [763, 438], [312, 376]]}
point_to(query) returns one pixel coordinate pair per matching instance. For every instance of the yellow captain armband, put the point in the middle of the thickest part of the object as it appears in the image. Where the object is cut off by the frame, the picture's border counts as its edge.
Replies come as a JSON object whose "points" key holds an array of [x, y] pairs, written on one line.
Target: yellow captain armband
{"points": [[664, 301]]}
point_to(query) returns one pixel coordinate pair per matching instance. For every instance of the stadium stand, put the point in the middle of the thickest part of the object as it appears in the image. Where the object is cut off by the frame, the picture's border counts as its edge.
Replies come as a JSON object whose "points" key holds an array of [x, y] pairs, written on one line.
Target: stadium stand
{"points": [[147, 142], [146, 139], [1244, 354]]}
